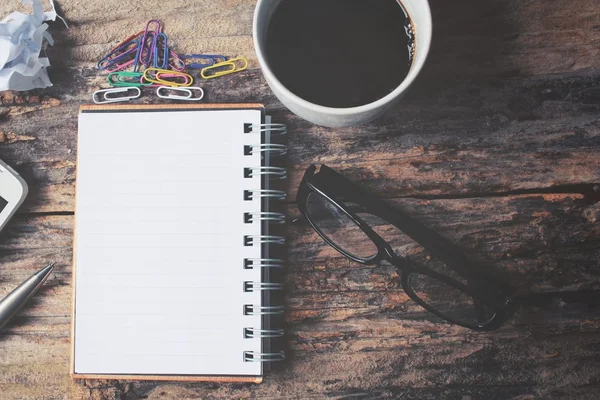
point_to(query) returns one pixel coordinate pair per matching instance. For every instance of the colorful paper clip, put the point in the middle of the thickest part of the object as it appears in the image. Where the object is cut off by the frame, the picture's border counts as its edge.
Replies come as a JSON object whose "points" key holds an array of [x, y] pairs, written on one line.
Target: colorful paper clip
{"points": [[145, 51], [211, 59], [126, 79], [175, 61], [114, 67], [106, 98], [216, 57], [161, 62], [187, 91], [122, 54], [225, 68], [167, 77], [147, 48]]}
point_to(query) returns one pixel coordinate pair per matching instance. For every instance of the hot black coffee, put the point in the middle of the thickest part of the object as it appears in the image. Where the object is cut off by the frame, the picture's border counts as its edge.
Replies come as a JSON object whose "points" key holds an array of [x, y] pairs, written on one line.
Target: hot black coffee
{"points": [[340, 53]]}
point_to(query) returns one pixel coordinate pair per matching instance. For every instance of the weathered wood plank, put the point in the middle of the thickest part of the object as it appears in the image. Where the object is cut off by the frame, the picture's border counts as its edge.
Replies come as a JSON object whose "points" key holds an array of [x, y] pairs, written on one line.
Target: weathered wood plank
{"points": [[482, 364]]}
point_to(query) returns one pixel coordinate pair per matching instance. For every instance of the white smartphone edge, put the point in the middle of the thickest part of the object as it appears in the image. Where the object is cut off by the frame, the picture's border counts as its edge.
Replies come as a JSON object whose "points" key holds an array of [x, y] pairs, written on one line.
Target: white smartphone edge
{"points": [[13, 189]]}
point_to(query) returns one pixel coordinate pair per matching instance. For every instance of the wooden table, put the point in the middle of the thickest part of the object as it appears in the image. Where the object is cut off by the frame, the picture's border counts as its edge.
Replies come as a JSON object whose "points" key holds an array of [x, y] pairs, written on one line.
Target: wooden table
{"points": [[496, 146]]}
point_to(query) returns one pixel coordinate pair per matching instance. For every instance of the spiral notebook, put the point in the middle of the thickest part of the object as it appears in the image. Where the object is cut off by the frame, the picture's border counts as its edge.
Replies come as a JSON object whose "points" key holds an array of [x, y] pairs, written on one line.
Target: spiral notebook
{"points": [[174, 265]]}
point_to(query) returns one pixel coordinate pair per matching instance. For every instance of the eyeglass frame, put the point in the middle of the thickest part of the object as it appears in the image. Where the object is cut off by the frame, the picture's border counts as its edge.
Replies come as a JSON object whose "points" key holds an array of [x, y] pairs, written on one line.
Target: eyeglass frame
{"points": [[482, 287]]}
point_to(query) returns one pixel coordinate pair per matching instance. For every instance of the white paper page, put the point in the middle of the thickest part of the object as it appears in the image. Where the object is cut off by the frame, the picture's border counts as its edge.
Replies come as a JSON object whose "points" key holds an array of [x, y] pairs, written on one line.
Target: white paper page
{"points": [[159, 243]]}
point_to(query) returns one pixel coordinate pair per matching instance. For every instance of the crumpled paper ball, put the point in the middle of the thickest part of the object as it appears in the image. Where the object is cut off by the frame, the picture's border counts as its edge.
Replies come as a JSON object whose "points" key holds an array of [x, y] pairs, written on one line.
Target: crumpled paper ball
{"points": [[21, 37]]}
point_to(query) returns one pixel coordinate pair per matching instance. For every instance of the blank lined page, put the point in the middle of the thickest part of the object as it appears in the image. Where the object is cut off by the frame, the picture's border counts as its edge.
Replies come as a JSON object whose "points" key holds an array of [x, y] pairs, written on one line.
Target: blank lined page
{"points": [[159, 243]]}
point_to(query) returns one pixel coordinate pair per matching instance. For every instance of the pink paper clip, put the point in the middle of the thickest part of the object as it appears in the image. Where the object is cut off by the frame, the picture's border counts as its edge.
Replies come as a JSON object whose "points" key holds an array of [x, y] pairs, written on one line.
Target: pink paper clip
{"points": [[175, 62], [120, 67]]}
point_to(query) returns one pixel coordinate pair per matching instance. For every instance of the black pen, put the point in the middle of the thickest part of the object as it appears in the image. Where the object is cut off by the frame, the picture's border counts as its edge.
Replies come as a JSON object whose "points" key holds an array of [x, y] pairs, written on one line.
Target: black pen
{"points": [[16, 299]]}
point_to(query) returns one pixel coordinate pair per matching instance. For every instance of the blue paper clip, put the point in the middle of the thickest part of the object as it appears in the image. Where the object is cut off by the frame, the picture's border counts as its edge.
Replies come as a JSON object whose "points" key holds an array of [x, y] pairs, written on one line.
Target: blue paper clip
{"points": [[118, 54], [164, 63], [211, 58], [217, 58]]}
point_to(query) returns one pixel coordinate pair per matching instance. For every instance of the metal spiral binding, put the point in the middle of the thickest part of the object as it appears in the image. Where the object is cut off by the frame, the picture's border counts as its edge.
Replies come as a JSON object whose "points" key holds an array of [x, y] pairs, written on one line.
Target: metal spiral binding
{"points": [[251, 263], [274, 217], [274, 129], [266, 312], [251, 356], [254, 286], [266, 239], [279, 172], [273, 194], [250, 333], [251, 309], [274, 149]]}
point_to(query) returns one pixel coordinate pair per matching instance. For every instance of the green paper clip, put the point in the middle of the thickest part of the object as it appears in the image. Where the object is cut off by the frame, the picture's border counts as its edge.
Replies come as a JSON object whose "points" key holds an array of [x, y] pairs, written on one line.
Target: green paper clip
{"points": [[129, 79]]}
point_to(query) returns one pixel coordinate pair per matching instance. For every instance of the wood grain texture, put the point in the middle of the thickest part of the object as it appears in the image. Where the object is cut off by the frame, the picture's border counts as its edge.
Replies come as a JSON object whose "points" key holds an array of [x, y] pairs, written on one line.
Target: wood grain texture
{"points": [[496, 146]]}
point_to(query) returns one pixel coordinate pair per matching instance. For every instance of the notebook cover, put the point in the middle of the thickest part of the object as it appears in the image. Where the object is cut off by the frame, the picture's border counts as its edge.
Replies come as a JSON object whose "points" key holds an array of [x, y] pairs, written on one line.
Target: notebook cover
{"points": [[170, 378]]}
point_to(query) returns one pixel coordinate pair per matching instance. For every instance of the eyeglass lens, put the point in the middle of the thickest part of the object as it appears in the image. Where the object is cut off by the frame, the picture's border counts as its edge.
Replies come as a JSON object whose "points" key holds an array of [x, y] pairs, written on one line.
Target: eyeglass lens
{"points": [[449, 301], [338, 227]]}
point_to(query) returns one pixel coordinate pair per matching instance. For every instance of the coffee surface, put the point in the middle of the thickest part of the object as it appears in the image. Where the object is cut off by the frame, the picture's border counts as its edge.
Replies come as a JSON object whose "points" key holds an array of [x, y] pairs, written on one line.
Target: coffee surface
{"points": [[340, 53]]}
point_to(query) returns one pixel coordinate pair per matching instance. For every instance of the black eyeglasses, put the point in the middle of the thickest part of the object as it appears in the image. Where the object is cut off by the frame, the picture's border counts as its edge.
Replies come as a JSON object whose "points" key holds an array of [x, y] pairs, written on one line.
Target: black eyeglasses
{"points": [[344, 215]]}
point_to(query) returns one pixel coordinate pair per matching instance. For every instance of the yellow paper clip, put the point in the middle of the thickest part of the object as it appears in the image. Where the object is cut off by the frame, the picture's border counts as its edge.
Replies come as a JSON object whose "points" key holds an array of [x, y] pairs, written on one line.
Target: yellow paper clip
{"points": [[167, 77], [233, 65]]}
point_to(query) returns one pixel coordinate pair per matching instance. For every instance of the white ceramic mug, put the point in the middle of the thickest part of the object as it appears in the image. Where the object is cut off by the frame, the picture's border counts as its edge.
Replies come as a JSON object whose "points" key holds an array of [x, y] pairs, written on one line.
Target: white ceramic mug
{"points": [[420, 15]]}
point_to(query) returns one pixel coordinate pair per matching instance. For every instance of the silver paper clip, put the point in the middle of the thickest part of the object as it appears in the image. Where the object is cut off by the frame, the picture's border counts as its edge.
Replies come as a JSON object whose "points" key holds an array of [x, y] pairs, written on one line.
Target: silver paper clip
{"points": [[185, 90], [114, 99]]}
